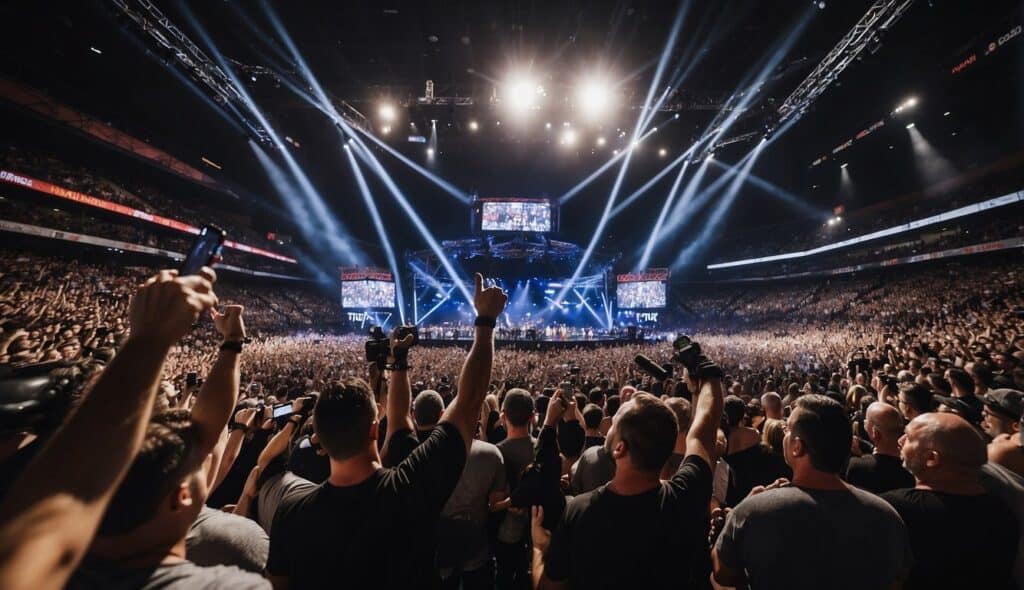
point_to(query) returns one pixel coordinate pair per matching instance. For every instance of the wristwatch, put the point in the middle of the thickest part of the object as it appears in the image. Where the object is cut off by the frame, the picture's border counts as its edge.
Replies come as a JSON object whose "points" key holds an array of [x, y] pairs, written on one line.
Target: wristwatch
{"points": [[235, 345], [484, 321]]}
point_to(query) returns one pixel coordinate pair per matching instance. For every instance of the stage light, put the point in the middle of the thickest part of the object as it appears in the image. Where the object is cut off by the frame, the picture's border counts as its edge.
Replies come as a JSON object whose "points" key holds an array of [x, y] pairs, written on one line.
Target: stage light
{"points": [[600, 141], [521, 93], [910, 125], [615, 152], [385, 130], [569, 137], [547, 125], [662, 152], [96, 51], [387, 112], [675, 116], [594, 98], [844, 165], [473, 126], [430, 152], [946, 114]]}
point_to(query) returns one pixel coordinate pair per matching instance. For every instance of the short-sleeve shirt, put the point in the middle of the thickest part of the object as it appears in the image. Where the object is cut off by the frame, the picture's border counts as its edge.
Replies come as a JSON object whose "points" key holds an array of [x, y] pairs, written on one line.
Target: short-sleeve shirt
{"points": [[221, 538], [183, 575], [878, 473], [274, 491], [517, 454], [839, 538], [593, 469], [367, 534], [663, 533], [959, 541], [462, 532]]}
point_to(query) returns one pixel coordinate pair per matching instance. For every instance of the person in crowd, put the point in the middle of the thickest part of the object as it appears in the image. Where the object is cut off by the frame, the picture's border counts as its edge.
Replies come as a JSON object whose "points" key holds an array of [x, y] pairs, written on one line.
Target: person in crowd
{"points": [[592, 415], [750, 462], [818, 516], [365, 520], [427, 409], [773, 432], [961, 536], [1007, 451], [913, 400], [51, 513], [882, 470], [684, 415], [771, 404], [661, 519], [519, 415], [1002, 412]]}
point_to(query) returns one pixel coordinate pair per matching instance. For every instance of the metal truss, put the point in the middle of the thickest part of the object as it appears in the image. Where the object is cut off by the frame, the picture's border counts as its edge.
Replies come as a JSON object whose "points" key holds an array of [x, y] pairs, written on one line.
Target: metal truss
{"points": [[868, 32]]}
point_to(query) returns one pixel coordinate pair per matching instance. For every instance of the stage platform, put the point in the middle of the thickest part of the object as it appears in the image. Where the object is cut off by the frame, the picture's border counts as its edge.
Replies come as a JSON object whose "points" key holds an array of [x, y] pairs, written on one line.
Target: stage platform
{"points": [[522, 344]]}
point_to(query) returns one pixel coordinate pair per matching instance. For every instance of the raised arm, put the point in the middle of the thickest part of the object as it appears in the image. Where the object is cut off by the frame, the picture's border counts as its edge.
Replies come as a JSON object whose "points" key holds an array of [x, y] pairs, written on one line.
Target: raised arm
{"points": [[464, 411], [219, 394], [707, 416], [399, 399], [51, 514]]}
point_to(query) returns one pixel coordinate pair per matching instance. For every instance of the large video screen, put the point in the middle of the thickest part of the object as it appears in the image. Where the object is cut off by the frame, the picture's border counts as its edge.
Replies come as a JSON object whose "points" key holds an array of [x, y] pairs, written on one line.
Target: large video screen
{"points": [[641, 295], [532, 216], [367, 294]]}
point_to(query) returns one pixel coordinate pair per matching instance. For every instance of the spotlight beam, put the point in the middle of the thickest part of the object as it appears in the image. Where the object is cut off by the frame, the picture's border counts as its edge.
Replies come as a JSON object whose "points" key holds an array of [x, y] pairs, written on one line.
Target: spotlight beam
{"points": [[646, 257], [437, 180], [364, 154], [332, 228], [778, 192], [583, 300], [378, 224], [647, 185], [605, 215], [569, 194], [443, 300]]}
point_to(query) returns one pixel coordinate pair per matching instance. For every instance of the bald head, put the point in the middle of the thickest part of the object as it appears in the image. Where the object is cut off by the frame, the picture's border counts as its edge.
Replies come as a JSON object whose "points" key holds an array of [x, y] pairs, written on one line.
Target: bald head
{"points": [[886, 419], [960, 447], [772, 404]]}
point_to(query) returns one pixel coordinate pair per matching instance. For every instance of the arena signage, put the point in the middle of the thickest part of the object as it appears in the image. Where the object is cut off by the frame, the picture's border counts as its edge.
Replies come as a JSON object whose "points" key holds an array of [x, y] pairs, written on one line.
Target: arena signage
{"points": [[363, 274], [654, 274], [965, 63], [84, 199]]}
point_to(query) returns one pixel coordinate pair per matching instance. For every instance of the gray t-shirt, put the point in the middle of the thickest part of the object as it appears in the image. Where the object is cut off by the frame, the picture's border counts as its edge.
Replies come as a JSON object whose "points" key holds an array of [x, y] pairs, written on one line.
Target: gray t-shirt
{"points": [[221, 538], [593, 469], [462, 531], [1009, 487], [801, 538], [273, 491], [517, 454], [177, 576]]}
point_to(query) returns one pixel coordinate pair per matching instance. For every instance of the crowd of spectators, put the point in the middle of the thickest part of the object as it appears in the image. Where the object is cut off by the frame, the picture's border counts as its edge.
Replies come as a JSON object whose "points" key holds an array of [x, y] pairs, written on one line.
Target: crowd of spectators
{"points": [[868, 420]]}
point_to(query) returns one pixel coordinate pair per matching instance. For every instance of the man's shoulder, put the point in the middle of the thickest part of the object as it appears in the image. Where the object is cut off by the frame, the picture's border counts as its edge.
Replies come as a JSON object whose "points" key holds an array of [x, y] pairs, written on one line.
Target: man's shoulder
{"points": [[296, 493], [190, 575], [864, 462], [480, 447], [593, 455]]}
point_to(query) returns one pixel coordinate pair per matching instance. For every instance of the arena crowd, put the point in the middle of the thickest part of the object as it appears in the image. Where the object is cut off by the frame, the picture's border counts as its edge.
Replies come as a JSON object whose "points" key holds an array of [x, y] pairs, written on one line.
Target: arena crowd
{"points": [[198, 432]]}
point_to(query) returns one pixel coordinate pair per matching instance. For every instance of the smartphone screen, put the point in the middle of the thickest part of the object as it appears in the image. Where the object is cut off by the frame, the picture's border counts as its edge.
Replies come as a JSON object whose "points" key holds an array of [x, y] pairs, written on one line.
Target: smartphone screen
{"points": [[207, 245], [281, 410]]}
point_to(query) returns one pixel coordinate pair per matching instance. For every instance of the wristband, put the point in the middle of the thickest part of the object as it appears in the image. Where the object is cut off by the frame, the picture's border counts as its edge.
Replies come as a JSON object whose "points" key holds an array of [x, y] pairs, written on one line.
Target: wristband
{"points": [[234, 345], [484, 321], [238, 426], [398, 365]]}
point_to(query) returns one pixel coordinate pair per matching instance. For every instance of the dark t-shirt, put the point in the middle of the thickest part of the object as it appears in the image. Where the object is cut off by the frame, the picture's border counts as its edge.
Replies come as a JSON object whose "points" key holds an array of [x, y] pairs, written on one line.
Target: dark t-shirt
{"points": [[958, 541], [663, 531], [401, 446], [756, 466], [878, 473], [593, 441], [183, 575], [366, 534]]}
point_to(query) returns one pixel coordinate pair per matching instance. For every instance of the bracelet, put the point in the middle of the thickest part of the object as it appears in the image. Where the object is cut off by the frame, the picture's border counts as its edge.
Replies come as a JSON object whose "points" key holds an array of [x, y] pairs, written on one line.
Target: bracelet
{"points": [[234, 345], [233, 425], [399, 365], [485, 322]]}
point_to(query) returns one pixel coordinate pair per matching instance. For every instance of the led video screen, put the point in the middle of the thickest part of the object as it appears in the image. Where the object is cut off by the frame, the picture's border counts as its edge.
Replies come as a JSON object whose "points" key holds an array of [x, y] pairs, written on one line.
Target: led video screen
{"points": [[641, 295], [531, 216], [367, 294]]}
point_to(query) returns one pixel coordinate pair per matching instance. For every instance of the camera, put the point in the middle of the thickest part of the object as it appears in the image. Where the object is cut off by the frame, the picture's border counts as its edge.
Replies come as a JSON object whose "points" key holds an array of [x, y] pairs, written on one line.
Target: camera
{"points": [[687, 352], [574, 370], [404, 331], [377, 347]]}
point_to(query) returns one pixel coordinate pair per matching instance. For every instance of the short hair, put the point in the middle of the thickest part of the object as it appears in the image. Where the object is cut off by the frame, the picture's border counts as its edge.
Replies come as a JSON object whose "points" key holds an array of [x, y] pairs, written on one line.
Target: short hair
{"points": [[683, 411], [342, 417], [823, 426], [592, 415], [518, 407], [164, 460], [983, 374], [960, 379], [649, 430], [734, 410], [938, 384], [919, 397], [596, 396], [611, 405], [427, 408]]}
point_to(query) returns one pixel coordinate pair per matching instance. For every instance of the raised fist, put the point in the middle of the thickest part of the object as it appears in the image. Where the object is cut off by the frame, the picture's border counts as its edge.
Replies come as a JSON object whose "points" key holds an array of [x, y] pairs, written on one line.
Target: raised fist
{"points": [[166, 305], [489, 302], [229, 324]]}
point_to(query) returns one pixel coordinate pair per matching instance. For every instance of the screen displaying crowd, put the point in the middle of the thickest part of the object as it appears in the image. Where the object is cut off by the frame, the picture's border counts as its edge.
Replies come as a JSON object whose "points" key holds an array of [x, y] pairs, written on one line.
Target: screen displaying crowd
{"points": [[516, 216], [875, 436], [640, 295], [367, 294]]}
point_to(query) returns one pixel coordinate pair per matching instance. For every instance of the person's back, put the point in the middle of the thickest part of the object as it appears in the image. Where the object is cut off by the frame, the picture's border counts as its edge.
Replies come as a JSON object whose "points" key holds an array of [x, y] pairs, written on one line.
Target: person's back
{"points": [[882, 470], [842, 539], [959, 541], [593, 469]]}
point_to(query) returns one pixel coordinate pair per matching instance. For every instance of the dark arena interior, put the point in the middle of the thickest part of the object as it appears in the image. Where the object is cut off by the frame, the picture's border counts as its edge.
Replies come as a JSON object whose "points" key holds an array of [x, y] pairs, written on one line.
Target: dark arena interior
{"points": [[501, 294]]}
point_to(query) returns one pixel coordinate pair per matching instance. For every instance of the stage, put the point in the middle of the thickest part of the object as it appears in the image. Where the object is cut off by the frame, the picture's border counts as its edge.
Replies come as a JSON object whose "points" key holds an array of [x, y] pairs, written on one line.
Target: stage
{"points": [[522, 344]]}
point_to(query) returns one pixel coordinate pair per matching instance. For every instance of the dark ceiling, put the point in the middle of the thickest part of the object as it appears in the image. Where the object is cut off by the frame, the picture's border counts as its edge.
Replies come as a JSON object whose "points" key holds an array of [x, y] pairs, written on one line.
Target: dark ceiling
{"points": [[363, 52]]}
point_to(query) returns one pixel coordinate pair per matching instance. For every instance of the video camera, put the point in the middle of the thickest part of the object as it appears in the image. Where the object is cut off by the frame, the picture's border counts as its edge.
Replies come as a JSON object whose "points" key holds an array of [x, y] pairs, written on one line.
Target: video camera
{"points": [[378, 347], [687, 353]]}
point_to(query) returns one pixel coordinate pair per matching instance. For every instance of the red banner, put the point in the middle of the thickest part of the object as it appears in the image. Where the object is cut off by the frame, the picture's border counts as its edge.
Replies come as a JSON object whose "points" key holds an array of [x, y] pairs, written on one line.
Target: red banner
{"points": [[70, 195], [360, 274], [652, 274]]}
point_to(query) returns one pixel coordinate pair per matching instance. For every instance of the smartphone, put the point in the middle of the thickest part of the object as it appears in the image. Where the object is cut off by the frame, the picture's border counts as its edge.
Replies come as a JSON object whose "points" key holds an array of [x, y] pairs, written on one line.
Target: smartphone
{"points": [[282, 410], [191, 379], [204, 249]]}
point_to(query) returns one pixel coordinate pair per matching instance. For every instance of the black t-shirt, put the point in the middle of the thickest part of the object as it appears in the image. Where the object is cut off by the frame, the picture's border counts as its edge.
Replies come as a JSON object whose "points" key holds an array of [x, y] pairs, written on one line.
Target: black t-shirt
{"points": [[402, 443], [663, 532], [368, 534], [306, 463], [878, 473], [756, 466], [957, 541], [593, 441]]}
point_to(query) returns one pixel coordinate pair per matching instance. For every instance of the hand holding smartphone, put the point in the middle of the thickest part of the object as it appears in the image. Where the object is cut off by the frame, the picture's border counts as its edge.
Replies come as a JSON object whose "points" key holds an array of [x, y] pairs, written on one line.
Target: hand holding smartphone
{"points": [[205, 250]]}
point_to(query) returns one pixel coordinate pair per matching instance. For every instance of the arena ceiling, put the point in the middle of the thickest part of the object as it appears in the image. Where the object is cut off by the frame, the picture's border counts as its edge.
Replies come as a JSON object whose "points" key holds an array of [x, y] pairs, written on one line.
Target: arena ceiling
{"points": [[368, 52]]}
